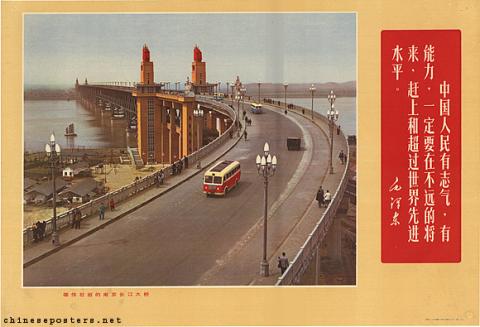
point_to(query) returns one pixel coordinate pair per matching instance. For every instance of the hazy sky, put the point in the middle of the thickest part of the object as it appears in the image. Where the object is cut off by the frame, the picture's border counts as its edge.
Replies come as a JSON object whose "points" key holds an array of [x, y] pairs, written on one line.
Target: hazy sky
{"points": [[258, 47]]}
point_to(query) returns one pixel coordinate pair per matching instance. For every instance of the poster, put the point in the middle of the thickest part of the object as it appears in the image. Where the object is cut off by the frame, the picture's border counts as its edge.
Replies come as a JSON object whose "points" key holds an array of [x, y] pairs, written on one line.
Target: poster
{"points": [[380, 292]]}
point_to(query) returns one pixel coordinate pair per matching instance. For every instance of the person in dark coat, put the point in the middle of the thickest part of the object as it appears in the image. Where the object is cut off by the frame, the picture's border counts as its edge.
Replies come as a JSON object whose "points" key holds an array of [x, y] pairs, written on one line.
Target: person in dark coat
{"points": [[41, 225], [320, 197], [78, 219], [160, 177], [338, 130], [283, 262], [35, 232], [74, 218], [101, 212], [342, 157]]}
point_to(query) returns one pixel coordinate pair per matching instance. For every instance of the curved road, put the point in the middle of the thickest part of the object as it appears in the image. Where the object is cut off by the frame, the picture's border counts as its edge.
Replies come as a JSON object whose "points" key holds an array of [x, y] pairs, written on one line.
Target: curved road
{"points": [[179, 236]]}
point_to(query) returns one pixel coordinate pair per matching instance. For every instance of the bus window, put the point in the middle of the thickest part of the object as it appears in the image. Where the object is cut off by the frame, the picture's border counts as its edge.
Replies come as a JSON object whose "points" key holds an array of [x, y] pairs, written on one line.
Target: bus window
{"points": [[208, 179], [217, 180]]}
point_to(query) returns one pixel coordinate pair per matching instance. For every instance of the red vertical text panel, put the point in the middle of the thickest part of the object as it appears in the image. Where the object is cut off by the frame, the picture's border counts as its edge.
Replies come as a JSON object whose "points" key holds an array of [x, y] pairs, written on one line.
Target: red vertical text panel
{"points": [[421, 146]]}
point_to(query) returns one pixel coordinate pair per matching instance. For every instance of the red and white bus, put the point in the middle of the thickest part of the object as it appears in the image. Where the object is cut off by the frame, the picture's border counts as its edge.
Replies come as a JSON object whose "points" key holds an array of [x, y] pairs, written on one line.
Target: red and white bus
{"points": [[221, 178]]}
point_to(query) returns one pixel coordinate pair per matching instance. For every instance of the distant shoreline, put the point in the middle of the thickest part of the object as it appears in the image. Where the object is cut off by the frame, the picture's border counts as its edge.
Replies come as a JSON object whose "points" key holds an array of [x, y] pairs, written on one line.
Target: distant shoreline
{"points": [[49, 94], [267, 90]]}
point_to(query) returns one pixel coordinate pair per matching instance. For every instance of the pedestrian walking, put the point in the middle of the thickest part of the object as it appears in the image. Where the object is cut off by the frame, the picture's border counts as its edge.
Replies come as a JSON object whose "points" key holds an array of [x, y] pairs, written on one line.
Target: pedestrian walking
{"points": [[245, 134], [327, 197], [74, 218], [160, 177], [342, 157], [283, 262], [78, 218], [185, 162], [112, 204], [101, 211], [338, 130], [40, 227], [35, 232], [320, 197]]}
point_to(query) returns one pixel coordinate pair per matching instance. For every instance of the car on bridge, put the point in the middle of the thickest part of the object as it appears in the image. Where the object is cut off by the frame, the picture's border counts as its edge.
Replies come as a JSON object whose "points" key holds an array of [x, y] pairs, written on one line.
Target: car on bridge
{"points": [[221, 178]]}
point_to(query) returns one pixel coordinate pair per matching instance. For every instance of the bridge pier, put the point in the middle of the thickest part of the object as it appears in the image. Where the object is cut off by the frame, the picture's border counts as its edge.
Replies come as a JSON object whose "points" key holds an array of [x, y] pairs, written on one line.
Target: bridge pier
{"points": [[173, 137], [164, 153], [222, 125], [211, 120]]}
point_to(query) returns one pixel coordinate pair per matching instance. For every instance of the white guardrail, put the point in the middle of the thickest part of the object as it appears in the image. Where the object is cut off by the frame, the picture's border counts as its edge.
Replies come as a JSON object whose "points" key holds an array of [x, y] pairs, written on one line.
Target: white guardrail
{"points": [[91, 208], [300, 263]]}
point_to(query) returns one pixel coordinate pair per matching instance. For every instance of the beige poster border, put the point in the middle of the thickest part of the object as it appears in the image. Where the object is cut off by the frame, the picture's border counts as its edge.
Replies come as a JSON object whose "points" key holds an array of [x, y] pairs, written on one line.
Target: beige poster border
{"points": [[438, 294]]}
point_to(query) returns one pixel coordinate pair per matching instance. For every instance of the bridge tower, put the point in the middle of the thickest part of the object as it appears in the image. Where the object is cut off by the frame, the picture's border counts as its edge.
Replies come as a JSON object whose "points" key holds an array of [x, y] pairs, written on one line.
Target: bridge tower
{"points": [[199, 68], [164, 120], [146, 70], [151, 121], [199, 74]]}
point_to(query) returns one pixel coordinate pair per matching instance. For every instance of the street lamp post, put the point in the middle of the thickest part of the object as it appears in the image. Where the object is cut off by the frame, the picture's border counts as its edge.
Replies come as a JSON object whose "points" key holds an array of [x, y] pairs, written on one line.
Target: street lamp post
{"points": [[198, 113], [285, 85], [266, 166], [332, 116], [312, 90], [53, 153], [243, 91], [237, 97], [259, 92]]}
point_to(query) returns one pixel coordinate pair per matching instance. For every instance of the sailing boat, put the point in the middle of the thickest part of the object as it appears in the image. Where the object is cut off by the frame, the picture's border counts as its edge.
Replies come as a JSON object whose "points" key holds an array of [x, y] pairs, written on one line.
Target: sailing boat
{"points": [[70, 130]]}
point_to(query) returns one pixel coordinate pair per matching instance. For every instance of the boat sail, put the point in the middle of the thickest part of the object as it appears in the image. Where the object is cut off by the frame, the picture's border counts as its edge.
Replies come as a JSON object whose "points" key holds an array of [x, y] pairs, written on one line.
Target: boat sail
{"points": [[70, 130]]}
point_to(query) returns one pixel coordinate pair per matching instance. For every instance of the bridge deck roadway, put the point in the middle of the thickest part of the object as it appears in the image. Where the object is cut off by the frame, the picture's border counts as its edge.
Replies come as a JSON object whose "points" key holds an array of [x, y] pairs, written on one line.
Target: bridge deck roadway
{"points": [[184, 238], [291, 219]]}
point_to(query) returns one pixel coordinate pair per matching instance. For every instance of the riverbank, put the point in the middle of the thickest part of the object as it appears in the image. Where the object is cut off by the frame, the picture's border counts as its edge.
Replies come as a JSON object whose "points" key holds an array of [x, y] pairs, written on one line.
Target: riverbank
{"points": [[49, 94]]}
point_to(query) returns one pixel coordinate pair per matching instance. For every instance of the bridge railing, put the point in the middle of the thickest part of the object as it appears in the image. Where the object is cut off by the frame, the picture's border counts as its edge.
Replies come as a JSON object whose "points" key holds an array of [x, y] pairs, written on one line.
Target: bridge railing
{"points": [[126, 192], [307, 251]]}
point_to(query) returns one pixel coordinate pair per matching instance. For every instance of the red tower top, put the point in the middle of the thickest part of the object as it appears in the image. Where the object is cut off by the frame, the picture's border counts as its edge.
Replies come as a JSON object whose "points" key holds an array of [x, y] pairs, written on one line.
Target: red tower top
{"points": [[197, 54], [145, 53]]}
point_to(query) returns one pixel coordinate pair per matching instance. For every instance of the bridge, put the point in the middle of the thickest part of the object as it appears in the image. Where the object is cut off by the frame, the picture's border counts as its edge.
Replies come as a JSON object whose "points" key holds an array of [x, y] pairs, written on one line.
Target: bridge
{"points": [[178, 236], [178, 136]]}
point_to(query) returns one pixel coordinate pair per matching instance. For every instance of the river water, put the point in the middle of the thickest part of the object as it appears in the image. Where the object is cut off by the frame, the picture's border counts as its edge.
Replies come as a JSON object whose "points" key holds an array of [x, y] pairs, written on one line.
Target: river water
{"points": [[93, 129], [347, 110]]}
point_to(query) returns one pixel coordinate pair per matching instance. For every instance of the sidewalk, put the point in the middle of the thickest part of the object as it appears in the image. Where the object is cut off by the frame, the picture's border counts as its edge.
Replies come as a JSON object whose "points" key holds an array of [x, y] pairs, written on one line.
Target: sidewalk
{"points": [[289, 222], [305, 226], [89, 225]]}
